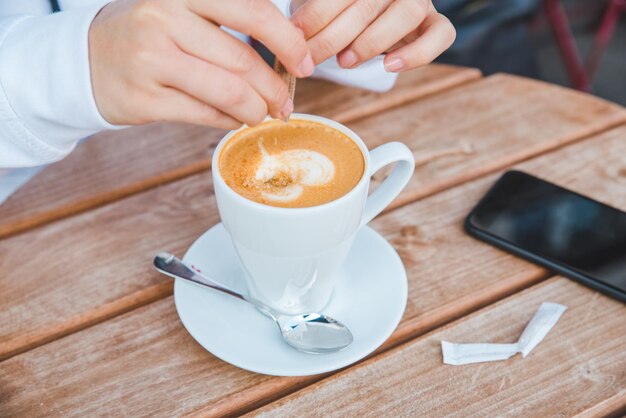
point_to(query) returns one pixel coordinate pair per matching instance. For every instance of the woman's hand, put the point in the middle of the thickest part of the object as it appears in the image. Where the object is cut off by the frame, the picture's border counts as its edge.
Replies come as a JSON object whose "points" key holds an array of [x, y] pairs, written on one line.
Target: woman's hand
{"points": [[411, 32], [169, 60]]}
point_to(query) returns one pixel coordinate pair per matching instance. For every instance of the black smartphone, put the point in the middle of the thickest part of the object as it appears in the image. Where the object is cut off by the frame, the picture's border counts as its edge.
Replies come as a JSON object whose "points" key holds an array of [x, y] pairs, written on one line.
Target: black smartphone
{"points": [[564, 231]]}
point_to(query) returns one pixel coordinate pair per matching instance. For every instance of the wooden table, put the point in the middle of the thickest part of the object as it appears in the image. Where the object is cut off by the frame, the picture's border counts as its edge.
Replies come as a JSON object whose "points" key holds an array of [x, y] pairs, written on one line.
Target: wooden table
{"points": [[88, 328]]}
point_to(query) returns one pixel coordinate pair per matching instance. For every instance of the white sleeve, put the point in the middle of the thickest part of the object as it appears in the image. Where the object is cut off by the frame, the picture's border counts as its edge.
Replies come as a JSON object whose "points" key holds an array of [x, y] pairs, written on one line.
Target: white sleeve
{"points": [[371, 75], [46, 99]]}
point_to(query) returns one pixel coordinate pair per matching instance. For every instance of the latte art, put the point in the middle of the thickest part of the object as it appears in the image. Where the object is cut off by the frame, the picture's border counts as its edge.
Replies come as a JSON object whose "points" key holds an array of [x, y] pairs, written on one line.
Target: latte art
{"points": [[295, 164], [290, 170]]}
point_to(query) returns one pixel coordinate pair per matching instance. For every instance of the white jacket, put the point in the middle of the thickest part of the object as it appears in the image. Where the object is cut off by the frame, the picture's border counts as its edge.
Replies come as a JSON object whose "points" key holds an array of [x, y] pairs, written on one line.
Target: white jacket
{"points": [[46, 99]]}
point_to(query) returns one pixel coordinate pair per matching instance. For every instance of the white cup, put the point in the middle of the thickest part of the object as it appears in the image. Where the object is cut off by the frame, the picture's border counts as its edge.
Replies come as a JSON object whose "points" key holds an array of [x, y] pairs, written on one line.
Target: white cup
{"points": [[292, 256]]}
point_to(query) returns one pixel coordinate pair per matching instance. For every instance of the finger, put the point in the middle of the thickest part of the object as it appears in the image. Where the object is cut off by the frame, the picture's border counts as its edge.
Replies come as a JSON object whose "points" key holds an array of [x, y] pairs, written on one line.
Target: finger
{"points": [[215, 86], [212, 44], [263, 21], [345, 28], [437, 34], [175, 105], [402, 17], [315, 15]]}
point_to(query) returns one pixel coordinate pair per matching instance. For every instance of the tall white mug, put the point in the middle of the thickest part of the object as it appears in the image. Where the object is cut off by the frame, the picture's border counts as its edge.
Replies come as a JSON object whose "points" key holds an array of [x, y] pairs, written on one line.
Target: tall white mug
{"points": [[292, 256]]}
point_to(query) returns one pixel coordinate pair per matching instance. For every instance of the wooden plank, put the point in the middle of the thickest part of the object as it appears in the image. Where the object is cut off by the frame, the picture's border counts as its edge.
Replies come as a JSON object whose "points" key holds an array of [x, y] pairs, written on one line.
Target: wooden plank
{"points": [[595, 167], [99, 260], [108, 167], [150, 343], [346, 105], [112, 165], [146, 217], [450, 275], [581, 364], [461, 134]]}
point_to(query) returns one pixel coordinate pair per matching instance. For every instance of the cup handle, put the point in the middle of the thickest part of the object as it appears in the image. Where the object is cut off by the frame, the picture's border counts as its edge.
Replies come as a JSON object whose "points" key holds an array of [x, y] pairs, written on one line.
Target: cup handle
{"points": [[391, 187]]}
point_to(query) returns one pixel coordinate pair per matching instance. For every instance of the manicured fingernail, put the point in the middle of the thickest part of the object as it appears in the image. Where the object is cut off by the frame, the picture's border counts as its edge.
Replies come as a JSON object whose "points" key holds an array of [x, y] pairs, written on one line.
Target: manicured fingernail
{"points": [[307, 66], [348, 59], [287, 109], [394, 65]]}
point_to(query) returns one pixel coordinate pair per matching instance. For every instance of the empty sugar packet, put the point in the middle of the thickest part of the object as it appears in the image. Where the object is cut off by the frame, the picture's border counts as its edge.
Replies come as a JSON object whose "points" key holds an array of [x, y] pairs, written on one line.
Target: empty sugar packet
{"points": [[541, 323]]}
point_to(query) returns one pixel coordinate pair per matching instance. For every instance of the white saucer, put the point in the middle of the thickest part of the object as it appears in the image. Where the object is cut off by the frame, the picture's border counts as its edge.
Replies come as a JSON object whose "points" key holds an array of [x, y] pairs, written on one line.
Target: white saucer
{"points": [[370, 299]]}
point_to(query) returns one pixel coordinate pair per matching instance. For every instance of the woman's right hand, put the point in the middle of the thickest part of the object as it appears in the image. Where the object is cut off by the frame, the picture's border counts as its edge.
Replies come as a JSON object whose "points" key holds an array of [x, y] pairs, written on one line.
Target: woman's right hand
{"points": [[154, 60]]}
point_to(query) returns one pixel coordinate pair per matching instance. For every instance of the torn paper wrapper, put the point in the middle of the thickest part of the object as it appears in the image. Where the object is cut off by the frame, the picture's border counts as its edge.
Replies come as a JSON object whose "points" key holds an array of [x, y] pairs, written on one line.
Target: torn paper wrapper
{"points": [[541, 323]]}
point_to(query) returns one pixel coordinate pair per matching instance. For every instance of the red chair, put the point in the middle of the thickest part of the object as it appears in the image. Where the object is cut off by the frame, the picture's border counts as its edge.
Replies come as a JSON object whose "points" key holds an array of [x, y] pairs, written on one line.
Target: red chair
{"points": [[581, 73]]}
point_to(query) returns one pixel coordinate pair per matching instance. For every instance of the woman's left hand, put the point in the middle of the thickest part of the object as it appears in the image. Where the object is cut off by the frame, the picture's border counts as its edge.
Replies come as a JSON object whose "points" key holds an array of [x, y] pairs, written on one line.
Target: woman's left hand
{"points": [[411, 32]]}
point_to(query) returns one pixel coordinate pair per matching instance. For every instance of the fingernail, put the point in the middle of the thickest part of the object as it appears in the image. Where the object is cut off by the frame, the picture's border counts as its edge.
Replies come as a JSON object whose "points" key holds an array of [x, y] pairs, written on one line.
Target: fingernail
{"points": [[394, 65], [348, 59], [287, 109], [307, 66]]}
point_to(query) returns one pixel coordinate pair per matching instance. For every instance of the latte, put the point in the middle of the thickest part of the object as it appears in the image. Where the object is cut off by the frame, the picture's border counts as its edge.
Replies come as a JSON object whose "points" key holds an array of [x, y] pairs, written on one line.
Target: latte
{"points": [[294, 165]]}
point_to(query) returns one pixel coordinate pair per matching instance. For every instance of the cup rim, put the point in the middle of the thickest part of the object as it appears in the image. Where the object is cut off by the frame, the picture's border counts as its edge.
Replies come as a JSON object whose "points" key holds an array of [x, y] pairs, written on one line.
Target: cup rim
{"points": [[217, 177]]}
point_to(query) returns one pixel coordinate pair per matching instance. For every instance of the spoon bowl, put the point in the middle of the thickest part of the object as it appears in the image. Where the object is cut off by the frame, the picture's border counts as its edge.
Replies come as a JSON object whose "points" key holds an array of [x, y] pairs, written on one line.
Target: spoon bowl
{"points": [[314, 333]]}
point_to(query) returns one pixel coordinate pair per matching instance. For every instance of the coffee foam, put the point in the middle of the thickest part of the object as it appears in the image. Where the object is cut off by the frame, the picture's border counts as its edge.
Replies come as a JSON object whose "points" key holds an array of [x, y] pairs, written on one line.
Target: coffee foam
{"points": [[300, 167], [296, 164]]}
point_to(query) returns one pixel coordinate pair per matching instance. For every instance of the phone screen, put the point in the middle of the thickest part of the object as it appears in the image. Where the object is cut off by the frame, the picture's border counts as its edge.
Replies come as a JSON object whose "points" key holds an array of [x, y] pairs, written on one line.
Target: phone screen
{"points": [[557, 227]]}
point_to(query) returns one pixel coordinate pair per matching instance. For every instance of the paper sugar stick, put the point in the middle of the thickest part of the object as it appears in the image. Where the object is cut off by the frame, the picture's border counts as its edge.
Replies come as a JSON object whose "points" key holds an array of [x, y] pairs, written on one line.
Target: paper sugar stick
{"points": [[541, 323], [288, 78], [539, 326]]}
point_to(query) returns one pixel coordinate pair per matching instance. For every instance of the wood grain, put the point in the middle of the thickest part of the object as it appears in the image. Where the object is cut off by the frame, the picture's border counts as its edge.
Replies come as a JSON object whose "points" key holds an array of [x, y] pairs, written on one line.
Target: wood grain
{"points": [[450, 275], [141, 364], [112, 165], [580, 364], [137, 228], [107, 167], [346, 105], [470, 131], [94, 263]]}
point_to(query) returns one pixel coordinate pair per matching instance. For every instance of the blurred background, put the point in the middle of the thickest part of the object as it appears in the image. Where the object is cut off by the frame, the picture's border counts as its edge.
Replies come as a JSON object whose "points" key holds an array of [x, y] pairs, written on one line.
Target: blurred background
{"points": [[574, 43]]}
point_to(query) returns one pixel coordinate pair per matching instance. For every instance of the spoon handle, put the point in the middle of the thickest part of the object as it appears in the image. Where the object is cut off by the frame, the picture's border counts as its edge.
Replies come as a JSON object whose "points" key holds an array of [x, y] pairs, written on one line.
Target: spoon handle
{"points": [[171, 266]]}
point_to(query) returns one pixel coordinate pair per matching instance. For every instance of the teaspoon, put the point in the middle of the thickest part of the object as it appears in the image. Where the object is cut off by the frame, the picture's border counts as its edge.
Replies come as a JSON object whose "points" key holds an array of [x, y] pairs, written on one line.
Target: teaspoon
{"points": [[311, 332]]}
